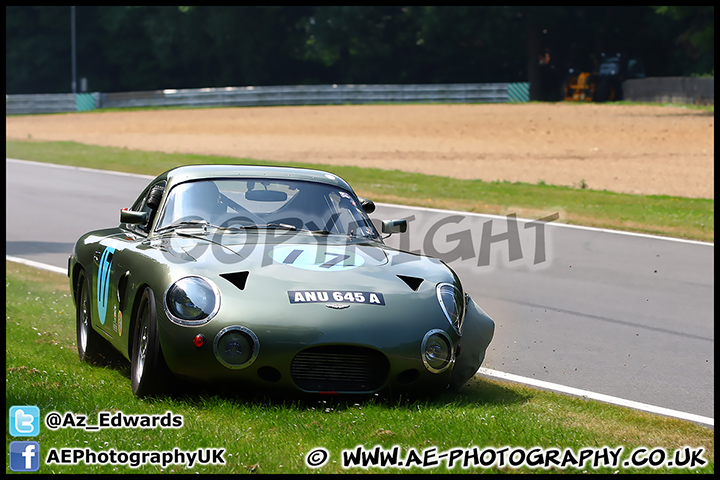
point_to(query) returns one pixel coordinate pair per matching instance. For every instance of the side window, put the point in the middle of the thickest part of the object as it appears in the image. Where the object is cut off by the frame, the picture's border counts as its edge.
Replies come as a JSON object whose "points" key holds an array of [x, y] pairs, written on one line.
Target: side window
{"points": [[348, 215], [148, 203]]}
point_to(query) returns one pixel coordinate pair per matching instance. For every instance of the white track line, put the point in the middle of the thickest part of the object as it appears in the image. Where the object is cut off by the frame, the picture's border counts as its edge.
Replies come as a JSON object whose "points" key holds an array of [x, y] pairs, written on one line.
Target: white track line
{"points": [[82, 169], [563, 225], [502, 375], [41, 266], [483, 215], [597, 396]]}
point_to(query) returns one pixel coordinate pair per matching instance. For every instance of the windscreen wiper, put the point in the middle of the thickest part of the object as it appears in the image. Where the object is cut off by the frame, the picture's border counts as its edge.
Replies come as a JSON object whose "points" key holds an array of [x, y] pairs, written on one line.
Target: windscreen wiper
{"points": [[189, 223], [319, 232], [270, 226]]}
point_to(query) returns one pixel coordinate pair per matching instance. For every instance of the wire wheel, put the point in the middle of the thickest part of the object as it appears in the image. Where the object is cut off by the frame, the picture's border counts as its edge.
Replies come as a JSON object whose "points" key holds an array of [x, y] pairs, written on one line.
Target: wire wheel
{"points": [[91, 346], [148, 371]]}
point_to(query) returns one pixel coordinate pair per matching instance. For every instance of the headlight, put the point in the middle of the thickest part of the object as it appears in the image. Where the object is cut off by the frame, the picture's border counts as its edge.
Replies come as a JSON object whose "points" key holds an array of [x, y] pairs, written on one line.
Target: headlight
{"points": [[437, 351], [192, 301], [453, 305], [236, 347]]}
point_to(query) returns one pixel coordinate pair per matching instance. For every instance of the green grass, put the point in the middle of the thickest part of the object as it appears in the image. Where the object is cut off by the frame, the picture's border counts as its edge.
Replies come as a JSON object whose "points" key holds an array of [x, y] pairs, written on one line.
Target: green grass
{"points": [[261, 435], [681, 217]]}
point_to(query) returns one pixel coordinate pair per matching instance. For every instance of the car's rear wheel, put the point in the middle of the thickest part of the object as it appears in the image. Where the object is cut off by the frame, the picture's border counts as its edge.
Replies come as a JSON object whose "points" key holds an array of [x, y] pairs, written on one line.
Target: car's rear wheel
{"points": [[148, 370], [91, 346]]}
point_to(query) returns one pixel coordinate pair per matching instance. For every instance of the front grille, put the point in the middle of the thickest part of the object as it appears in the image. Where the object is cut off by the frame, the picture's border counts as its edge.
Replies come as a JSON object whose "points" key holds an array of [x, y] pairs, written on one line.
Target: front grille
{"points": [[339, 368]]}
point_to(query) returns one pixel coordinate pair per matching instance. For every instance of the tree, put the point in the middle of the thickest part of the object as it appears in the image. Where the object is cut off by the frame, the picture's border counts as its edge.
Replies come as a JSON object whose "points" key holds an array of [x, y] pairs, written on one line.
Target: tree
{"points": [[696, 37], [123, 48], [37, 50]]}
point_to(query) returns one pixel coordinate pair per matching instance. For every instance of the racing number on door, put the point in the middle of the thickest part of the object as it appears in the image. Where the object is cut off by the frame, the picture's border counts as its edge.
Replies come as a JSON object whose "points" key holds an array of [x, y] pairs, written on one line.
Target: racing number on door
{"points": [[103, 282]]}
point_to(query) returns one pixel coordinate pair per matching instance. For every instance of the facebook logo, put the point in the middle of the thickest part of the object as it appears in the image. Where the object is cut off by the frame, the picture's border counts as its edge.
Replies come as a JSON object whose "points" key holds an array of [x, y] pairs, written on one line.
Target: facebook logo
{"points": [[24, 456], [24, 421]]}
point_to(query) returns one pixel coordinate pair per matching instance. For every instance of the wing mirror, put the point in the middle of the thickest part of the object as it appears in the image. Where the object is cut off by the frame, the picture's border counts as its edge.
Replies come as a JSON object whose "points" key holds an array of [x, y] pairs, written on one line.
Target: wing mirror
{"points": [[368, 206], [394, 226], [132, 217], [153, 200]]}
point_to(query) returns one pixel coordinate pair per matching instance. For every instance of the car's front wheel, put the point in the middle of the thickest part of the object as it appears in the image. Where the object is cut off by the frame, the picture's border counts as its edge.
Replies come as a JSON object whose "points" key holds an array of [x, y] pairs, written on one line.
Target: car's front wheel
{"points": [[148, 370], [91, 346]]}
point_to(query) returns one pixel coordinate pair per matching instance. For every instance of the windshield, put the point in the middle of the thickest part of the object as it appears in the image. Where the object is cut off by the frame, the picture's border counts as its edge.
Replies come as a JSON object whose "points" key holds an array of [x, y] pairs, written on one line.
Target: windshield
{"points": [[266, 203]]}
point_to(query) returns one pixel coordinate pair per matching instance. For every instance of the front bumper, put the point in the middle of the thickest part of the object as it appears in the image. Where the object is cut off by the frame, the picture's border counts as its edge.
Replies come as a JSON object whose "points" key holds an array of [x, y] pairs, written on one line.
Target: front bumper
{"points": [[307, 359]]}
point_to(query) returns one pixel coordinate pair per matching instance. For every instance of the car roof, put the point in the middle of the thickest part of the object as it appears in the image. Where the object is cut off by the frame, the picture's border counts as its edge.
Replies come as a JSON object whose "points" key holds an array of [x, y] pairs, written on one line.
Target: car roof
{"points": [[198, 172]]}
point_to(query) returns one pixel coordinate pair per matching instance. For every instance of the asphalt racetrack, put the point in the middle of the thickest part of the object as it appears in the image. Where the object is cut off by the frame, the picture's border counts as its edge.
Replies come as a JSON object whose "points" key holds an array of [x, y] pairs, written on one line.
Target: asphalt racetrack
{"points": [[630, 316]]}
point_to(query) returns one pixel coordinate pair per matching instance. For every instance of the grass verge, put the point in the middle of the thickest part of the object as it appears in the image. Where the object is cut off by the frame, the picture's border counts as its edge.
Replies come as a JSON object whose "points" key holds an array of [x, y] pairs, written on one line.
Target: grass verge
{"points": [[260, 435], [681, 217]]}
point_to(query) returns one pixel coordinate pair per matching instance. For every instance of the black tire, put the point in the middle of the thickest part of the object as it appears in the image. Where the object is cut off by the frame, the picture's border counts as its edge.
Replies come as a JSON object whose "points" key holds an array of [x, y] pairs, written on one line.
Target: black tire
{"points": [[148, 371], [607, 92], [91, 346], [612, 93]]}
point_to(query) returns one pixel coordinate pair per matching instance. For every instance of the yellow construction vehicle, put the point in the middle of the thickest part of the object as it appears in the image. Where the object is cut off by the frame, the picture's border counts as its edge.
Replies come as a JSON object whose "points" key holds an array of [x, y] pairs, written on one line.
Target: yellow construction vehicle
{"points": [[581, 87], [605, 85]]}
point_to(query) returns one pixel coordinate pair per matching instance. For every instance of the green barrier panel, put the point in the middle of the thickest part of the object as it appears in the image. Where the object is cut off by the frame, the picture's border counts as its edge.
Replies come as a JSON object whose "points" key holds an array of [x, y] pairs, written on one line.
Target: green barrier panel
{"points": [[84, 102], [519, 92]]}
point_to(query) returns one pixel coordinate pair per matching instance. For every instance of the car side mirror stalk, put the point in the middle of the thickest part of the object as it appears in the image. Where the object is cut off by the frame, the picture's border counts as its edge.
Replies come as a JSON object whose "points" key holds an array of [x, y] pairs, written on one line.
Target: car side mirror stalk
{"points": [[133, 217], [394, 226]]}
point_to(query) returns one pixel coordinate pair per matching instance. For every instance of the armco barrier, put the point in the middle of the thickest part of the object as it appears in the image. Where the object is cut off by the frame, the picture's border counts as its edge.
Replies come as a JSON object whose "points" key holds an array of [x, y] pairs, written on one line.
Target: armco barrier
{"points": [[273, 95], [654, 89], [687, 90], [310, 95], [50, 103], [43, 103]]}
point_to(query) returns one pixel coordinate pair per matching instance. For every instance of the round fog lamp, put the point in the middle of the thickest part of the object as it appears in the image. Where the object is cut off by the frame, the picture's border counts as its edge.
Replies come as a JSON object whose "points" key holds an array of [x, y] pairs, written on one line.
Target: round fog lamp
{"points": [[437, 351], [236, 347]]}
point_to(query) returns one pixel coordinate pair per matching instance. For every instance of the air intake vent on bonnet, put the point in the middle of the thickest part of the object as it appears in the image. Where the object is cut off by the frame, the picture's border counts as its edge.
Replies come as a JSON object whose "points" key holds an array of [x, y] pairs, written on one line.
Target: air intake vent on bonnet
{"points": [[238, 279], [412, 282], [339, 368]]}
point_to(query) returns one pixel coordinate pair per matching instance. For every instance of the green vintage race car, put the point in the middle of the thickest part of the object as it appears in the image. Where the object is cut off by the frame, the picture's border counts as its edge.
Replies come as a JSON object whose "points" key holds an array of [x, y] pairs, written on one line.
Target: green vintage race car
{"points": [[270, 278]]}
